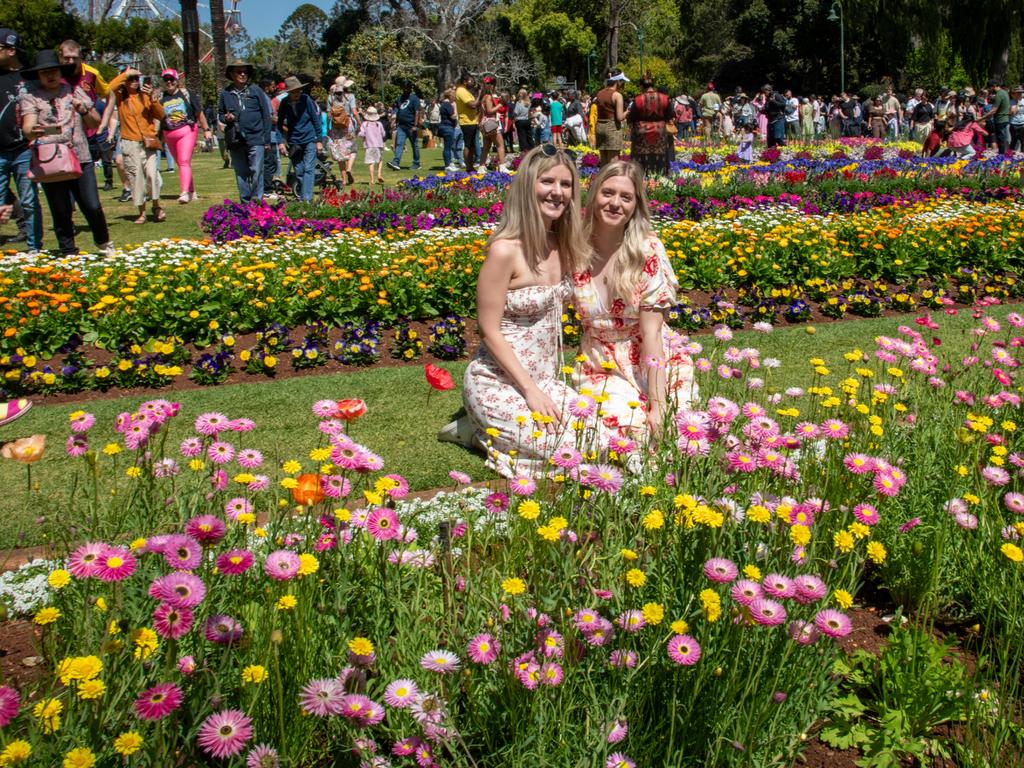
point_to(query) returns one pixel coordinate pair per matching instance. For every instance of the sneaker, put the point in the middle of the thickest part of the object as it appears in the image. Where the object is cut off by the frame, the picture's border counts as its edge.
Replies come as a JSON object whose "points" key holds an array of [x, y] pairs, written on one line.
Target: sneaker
{"points": [[184, 198], [452, 168], [504, 168], [460, 432], [108, 187], [107, 249], [394, 166], [126, 195], [415, 168], [14, 409]]}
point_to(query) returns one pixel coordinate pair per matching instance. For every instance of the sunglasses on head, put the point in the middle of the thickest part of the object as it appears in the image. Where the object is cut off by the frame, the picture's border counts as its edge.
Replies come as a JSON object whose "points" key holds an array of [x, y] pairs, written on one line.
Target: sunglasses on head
{"points": [[550, 150]]}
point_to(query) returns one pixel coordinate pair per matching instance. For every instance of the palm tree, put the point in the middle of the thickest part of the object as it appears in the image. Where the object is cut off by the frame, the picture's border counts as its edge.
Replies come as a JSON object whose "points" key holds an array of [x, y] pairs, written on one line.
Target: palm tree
{"points": [[190, 44], [219, 41]]}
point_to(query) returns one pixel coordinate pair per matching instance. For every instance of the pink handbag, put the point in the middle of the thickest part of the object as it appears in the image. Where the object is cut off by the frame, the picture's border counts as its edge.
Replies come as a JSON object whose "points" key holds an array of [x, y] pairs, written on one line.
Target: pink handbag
{"points": [[53, 162]]}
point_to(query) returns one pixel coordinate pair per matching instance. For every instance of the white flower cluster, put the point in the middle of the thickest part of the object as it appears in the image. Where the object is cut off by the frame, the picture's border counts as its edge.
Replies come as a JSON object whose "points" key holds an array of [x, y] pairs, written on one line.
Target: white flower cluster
{"points": [[24, 590]]}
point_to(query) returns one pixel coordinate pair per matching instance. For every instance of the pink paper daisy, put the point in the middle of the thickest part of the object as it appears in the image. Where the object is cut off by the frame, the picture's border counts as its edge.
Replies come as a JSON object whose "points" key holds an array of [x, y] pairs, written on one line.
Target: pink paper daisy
{"points": [[767, 613], [400, 694], [683, 650], [720, 570], [858, 463], [382, 524], [116, 564], [220, 452], [803, 632], [206, 529], [249, 458], [211, 423], [225, 733], [809, 589], [282, 565], [234, 562], [866, 514], [746, 591], [262, 756], [76, 446], [602, 477], [322, 697], [183, 590], [223, 630], [440, 661], [618, 731], [522, 485], [777, 585], [10, 703], [483, 649], [833, 623], [566, 457], [158, 702], [172, 621], [618, 760], [183, 553], [84, 561], [551, 673], [237, 506]]}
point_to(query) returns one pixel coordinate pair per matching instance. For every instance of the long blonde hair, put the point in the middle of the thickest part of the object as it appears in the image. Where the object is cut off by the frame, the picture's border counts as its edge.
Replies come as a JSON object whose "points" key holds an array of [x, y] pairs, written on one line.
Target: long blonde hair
{"points": [[637, 236], [521, 219]]}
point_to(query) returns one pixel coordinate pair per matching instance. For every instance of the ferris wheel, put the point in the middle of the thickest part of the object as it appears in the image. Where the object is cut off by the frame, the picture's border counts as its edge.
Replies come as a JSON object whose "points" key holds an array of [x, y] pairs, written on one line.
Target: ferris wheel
{"points": [[156, 9]]}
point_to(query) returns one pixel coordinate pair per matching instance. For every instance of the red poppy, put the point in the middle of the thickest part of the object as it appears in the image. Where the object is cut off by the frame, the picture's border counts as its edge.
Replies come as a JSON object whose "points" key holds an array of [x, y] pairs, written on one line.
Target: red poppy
{"points": [[438, 377], [350, 410]]}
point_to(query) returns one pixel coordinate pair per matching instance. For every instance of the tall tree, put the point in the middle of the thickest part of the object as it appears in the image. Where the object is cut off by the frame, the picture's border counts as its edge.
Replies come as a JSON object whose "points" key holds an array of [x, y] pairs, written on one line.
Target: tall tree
{"points": [[190, 45], [219, 40]]}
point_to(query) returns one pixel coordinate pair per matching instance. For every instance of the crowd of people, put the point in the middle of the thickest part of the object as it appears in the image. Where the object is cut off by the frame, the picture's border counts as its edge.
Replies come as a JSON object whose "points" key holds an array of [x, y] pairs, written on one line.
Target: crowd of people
{"points": [[62, 125]]}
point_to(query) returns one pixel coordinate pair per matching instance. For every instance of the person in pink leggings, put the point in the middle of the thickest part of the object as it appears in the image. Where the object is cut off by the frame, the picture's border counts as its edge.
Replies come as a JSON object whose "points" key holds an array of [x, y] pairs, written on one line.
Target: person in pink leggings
{"points": [[183, 117]]}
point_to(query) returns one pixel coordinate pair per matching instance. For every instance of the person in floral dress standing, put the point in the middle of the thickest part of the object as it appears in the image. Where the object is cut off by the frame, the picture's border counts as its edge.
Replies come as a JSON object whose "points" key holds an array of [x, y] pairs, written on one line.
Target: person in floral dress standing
{"points": [[622, 295]]}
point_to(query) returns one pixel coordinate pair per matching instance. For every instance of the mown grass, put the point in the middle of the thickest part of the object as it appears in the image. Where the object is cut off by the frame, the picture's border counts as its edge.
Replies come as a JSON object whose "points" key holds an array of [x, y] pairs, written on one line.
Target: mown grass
{"points": [[401, 424]]}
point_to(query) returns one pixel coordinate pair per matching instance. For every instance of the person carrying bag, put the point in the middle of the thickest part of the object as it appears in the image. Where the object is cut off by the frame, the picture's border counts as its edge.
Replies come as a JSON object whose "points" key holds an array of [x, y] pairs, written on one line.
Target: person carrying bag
{"points": [[140, 115]]}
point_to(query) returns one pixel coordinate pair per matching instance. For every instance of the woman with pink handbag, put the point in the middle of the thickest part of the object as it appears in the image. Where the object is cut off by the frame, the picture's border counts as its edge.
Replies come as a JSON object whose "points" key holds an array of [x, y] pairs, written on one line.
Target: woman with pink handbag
{"points": [[53, 118]]}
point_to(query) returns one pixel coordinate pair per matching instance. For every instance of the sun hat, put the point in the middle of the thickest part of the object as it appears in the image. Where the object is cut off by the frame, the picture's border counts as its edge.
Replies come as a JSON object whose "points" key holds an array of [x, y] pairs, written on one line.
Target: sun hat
{"points": [[371, 114], [237, 64], [170, 73], [46, 59], [343, 82], [293, 83], [619, 78]]}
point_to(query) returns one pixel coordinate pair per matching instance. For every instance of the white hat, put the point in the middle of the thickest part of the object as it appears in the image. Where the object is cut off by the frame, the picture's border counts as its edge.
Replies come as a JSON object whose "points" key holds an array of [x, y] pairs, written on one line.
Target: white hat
{"points": [[342, 82], [371, 114], [621, 77]]}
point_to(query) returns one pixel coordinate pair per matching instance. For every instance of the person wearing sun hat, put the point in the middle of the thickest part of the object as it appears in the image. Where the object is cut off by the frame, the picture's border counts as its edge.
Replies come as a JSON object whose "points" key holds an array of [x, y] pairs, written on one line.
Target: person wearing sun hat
{"points": [[342, 125], [1017, 118], [373, 144], [298, 119], [245, 111]]}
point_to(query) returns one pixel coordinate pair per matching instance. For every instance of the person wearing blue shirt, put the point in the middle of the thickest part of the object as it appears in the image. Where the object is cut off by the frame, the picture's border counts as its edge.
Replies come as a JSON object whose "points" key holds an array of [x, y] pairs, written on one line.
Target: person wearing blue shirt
{"points": [[244, 106], [299, 120], [408, 113]]}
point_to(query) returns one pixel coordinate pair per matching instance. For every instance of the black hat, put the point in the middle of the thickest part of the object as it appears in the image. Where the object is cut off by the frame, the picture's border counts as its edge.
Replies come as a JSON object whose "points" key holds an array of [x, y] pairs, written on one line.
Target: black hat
{"points": [[46, 59]]}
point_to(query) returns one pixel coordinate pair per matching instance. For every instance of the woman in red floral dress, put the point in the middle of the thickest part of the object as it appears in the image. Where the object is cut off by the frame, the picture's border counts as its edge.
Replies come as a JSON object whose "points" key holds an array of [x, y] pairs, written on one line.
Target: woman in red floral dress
{"points": [[629, 353]]}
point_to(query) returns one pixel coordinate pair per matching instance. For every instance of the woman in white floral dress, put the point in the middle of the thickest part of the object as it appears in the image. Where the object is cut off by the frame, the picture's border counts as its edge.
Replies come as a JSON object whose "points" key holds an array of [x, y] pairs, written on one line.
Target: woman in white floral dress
{"points": [[513, 390], [630, 355], [342, 126]]}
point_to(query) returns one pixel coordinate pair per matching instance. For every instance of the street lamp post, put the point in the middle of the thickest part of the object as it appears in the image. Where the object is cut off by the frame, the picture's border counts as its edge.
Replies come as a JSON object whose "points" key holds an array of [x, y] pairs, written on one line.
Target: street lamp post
{"points": [[640, 39], [833, 16], [380, 63], [590, 58]]}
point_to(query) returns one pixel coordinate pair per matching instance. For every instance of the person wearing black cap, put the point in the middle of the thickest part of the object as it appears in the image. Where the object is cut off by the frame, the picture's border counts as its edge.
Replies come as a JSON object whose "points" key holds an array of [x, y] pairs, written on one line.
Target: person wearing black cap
{"points": [[15, 155], [999, 113], [246, 113], [408, 117], [53, 114]]}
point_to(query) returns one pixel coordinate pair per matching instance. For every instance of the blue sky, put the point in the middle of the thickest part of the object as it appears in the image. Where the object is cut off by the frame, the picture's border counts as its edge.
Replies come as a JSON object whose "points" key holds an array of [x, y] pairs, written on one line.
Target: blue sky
{"points": [[262, 18]]}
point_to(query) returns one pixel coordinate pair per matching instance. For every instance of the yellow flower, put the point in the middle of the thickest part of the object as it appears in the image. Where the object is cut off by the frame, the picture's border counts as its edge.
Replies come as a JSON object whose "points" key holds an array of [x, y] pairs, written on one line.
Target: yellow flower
{"points": [[1013, 552], [843, 541], [680, 627], [654, 613], [15, 752], [133, 472], [877, 553], [128, 743], [548, 533], [291, 467], [146, 642], [759, 514], [859, 530], [47, 711], [111, 449], [628, 554], [79, 757], [843, 598], [558, 523], [46, 616], [635, 577], [79, 668], [289, 483], [254, 673], [58, 579], [800, 535], [752, 572], [92, 689], [647, 490], [245, 518], [308, 564], [654, 520], [712, 605], [286, 602], [529, 509], [514, 586], [361, 646], [259, 532], [195, 465], [136, 544]]}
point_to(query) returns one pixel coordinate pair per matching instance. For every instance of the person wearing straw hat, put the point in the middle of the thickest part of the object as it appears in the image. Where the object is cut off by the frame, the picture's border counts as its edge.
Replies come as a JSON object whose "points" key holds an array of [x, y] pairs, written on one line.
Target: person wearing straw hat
{"points": [[245, 113], [342, 126], [373, 144], [298, 119]]}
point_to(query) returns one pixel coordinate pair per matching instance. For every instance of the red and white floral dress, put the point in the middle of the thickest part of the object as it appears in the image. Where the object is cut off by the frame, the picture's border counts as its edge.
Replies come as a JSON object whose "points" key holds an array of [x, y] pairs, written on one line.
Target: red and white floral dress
{"points": [[612, 335], [531, 324]]}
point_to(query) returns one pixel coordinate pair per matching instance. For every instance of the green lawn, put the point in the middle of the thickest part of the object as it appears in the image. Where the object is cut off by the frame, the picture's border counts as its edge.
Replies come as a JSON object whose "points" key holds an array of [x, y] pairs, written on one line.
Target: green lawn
{"points": [[401, 424], [213, 184]]}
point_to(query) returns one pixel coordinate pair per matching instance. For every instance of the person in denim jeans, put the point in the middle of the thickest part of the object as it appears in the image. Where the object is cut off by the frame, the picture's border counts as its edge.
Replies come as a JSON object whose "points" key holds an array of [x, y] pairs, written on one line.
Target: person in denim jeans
{"points": [[247, 106], [15, 154], [408, 114], [299, 121]]}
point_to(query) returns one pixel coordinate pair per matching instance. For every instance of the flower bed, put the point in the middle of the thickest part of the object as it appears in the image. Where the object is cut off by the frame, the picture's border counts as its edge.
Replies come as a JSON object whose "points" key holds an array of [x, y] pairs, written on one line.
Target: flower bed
{"points": [[685, 614]]}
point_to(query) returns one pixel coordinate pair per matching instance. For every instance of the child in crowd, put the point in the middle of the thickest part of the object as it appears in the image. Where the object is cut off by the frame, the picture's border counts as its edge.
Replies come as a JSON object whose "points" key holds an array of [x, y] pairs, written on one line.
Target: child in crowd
{"points": [[745, 152], [373, 144]]}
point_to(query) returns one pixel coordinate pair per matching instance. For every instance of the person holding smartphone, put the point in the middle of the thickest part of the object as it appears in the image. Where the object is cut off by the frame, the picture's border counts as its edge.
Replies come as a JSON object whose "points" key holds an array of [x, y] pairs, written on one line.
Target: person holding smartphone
{"points": [[140, 115]]}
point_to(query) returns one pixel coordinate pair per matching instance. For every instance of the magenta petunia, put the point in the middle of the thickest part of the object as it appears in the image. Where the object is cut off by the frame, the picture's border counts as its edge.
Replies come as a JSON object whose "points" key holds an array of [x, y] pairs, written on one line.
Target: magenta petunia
{"points": [[683, 650], [158, 702], [282, 565], [10, 703], [225, 733]]}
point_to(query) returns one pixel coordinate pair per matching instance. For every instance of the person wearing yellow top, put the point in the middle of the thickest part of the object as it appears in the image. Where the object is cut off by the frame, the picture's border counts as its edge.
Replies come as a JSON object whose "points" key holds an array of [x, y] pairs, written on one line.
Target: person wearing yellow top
{"points": [[467, 106]]}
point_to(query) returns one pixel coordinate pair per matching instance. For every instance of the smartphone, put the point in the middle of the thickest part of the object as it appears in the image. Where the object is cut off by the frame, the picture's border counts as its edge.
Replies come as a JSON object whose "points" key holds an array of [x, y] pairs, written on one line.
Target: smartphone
{"points": [[143, 79], [51, 130]]}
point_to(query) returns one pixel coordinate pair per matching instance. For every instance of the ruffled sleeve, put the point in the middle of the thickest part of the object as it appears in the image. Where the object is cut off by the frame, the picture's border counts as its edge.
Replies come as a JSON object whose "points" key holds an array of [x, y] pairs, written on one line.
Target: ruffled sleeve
{"points": [[658, 284]]}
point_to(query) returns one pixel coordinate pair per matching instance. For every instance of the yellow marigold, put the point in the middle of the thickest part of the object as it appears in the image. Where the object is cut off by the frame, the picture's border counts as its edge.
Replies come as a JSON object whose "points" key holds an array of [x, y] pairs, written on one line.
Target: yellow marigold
{"points": [[654, 613], [529, 509], [128, 743], [558, 523], [146, 642], [514, 586], [635, 577], [712, 605], [1013, 552], [877, 553], [92, 689], [46, 616], [360, 646], [254, 673], [843, 598], [759, 514], [15, 752], [47, 711], [752, 572], [79, 757], [680, 627], [58, 579], [291, 467], [859, 530], [843, 541], [654, 520], [308, 564], [286, 602], [548, 533], [628, 554], [800, 535]]}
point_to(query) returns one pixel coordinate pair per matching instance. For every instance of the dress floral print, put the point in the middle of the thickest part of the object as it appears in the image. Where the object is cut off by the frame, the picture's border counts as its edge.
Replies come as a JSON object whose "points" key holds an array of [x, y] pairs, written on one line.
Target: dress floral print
{"points": [[611, 344], [531, 324]]}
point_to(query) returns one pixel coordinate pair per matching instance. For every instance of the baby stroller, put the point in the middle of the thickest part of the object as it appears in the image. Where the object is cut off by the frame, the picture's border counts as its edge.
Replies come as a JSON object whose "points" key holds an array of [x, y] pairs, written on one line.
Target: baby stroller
{"points": [[324, 177]]}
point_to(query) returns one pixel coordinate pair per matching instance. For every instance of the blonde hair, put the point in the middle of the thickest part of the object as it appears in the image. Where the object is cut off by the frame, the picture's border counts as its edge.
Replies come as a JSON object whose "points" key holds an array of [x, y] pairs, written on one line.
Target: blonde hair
{"points": [[637, 236], [521, 219]]}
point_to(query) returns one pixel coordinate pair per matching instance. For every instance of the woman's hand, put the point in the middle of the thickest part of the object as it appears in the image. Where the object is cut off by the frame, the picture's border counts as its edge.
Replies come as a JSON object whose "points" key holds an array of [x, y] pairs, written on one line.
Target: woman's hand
{"points": [[540, 403]]}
